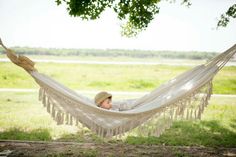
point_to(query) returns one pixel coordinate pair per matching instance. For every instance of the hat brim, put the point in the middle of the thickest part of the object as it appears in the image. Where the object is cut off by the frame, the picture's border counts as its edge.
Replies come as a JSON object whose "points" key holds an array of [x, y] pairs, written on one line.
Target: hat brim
{"points": [[108, 95]]}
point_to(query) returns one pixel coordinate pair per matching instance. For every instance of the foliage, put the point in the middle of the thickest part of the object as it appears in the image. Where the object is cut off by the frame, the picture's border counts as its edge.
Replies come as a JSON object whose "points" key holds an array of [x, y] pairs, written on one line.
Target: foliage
{"points": [[114, 53], [225, 18], [135, 14]]}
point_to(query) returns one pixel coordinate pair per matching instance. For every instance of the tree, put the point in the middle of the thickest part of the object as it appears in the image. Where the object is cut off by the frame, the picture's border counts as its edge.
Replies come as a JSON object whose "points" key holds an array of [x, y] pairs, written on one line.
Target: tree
{"points": [[135, 14], [225, 18]]}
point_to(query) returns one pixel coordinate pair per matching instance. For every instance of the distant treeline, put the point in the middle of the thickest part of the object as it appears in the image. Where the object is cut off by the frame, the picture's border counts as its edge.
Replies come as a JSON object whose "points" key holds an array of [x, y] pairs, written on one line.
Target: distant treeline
{"points": [[114, 53]]}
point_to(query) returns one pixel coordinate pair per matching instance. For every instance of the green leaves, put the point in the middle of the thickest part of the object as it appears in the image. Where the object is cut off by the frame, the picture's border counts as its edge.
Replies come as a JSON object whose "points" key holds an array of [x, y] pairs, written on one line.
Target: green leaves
{"points": [[225, 18], [88, 9], [135, 15]]}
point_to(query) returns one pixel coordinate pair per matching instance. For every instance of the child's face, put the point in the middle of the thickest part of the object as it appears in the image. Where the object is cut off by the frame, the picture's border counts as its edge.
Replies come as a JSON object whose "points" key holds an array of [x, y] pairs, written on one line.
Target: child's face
{"points": [[106, 104]]}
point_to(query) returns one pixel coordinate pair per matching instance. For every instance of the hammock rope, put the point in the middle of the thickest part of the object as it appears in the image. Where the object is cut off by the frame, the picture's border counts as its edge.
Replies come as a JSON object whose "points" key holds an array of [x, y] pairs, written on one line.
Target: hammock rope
{"points": [[183, 97], [19, 60]]}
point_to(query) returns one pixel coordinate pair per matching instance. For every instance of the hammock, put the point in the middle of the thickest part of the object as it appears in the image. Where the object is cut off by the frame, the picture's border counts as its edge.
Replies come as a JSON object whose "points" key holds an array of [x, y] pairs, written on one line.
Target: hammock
{"points": [[183, 97]]}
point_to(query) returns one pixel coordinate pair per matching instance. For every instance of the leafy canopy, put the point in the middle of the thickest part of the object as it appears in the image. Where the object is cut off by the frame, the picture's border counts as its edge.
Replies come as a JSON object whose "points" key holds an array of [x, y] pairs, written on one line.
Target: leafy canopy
{"points": [[135, 14]]}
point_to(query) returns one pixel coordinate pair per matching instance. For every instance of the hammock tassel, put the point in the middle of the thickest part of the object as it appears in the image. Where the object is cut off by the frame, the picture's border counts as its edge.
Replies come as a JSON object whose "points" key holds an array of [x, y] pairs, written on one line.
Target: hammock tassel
{"points": [[44, 100], [53, 112], [59, 118], [67, 118], [48, 105], [187, 116], [199, 113], [40, 94], [76, 121], [191, 114], [63, 118], [195, 114], [71, 119]]}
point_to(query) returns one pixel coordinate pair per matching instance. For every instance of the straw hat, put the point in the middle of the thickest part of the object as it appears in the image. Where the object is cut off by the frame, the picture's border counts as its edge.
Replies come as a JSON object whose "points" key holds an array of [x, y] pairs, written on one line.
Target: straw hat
{"points": [[101, 96]]}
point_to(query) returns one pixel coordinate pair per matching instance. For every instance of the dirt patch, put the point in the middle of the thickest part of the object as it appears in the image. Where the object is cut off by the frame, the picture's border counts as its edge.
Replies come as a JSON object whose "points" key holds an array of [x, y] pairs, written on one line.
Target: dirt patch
{"points": [[73, 149]]}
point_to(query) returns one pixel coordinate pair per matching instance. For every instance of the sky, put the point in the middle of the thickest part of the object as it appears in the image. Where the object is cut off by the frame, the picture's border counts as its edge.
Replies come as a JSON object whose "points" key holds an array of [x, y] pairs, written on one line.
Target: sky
{"points": [[41, 23]]}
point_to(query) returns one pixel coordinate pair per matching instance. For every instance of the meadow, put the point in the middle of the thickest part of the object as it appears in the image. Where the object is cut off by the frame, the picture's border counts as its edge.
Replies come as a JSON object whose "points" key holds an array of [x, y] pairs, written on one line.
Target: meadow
{"points": [[136, 78], [22, 116]]}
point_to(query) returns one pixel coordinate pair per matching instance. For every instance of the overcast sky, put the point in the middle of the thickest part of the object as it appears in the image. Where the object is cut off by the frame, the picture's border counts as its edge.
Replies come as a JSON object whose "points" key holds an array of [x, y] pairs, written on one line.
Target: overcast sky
{"points": [[41, 23]]}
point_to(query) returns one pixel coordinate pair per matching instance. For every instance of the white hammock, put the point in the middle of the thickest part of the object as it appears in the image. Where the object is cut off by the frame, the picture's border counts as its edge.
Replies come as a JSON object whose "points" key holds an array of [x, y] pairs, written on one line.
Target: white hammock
{"points": [[183, 97]]}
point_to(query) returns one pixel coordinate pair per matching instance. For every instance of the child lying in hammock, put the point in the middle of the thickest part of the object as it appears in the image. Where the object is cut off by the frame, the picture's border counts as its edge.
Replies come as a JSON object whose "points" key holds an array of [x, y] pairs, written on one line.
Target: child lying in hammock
{"points": [[103, 100]]}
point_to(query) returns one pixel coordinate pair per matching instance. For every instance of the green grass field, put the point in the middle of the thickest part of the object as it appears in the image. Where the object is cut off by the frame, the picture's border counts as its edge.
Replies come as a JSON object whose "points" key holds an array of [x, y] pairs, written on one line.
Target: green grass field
{"points": [[216, 128], [110, 77], [22, 117]]}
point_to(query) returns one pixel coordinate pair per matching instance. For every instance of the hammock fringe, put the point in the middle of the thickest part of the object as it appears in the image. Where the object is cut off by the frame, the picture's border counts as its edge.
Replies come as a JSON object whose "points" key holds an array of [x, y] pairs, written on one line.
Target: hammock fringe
{"points": [[189, 108], [182, 98]]}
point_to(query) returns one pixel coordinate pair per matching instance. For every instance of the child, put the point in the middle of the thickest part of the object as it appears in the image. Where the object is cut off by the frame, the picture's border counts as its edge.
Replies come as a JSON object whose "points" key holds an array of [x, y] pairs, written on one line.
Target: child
{"points": [[103, 100]]}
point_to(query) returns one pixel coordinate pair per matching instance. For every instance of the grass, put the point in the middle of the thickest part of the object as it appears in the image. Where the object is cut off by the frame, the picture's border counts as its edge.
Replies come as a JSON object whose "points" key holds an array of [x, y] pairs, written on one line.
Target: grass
{"points": [[22, 117], [216, 129], [110, 77]]}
